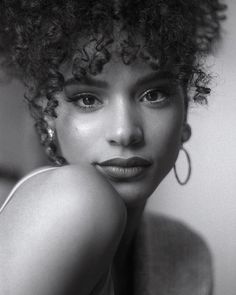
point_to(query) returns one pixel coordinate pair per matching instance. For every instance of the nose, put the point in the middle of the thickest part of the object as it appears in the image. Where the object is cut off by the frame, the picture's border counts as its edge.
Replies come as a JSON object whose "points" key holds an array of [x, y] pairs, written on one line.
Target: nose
{"points": [[125, 127]]}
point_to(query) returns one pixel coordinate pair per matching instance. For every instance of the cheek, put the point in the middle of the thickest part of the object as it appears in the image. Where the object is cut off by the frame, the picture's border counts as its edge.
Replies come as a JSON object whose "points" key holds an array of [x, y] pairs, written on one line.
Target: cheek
{"points": [[77, 136], [165, 138]]}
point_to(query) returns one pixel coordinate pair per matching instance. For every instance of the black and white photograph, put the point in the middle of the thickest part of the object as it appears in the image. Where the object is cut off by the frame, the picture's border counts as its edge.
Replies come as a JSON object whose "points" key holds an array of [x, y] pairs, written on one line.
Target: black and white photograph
{"points": [[117, 147]]}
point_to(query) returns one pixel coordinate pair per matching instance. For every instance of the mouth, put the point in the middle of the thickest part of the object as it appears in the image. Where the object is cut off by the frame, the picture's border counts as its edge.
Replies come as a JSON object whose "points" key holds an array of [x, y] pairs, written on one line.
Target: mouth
{"points": [[120, 169]]}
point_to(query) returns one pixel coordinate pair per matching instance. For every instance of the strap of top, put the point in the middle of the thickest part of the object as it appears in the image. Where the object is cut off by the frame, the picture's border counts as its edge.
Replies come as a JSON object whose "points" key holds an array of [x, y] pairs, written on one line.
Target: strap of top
{"points": [[19, 183]]}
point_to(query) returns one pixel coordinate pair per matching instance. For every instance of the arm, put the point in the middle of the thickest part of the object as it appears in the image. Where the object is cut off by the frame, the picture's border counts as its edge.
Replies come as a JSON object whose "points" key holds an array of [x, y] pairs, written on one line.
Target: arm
{"points": [[59, 233]]}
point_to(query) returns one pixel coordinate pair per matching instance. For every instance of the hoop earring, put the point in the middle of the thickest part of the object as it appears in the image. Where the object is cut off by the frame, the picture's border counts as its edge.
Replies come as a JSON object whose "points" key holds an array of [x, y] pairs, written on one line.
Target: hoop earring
{"points": [[189, 168]]}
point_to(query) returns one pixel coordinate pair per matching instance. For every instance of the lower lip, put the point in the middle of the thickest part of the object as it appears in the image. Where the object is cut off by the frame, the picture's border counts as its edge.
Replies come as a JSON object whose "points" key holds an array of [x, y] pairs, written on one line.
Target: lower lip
{"points": [[123, 173]]}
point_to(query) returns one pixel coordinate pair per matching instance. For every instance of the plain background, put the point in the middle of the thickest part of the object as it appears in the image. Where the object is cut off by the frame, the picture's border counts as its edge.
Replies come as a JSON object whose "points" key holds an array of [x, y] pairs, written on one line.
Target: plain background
{"points": [[208, 202]]}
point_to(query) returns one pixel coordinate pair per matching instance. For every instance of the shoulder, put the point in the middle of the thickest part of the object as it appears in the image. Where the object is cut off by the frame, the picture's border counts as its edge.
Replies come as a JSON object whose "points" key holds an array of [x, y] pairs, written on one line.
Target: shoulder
{"points": [[69, 196], [64, 218], [175, 232], [179, 258], [68, 184]]}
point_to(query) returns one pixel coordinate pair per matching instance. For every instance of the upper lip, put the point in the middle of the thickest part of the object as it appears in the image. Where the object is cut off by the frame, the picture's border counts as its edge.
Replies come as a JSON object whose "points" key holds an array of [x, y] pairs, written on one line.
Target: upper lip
{"points": [[130, 162]]}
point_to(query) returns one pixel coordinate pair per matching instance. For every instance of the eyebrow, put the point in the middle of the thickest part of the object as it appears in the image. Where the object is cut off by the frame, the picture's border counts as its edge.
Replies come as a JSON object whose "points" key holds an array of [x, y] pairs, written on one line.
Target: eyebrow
{"points": [[87, 81], [160, 75], [90, 81]]}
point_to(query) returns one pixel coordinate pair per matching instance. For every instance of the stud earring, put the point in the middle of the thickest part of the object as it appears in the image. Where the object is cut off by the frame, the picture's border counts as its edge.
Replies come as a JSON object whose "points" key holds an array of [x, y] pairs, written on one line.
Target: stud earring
{"points": [[47, 137], [51, 148]]}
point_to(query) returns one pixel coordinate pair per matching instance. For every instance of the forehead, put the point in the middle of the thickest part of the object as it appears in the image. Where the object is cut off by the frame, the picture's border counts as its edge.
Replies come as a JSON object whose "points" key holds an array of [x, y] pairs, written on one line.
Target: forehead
{"points": [[115, 74], [108, 58]]}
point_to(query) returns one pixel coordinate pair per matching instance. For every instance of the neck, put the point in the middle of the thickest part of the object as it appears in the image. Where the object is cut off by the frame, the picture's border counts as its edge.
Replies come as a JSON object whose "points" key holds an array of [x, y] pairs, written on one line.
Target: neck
{"points": [[134, 215], [122, 264]]}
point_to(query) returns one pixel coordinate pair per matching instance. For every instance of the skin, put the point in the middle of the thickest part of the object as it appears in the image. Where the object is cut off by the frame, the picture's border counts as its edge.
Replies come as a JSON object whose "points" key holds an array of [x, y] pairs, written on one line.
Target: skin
{"points": [[58, 235], [80, 218], [119, 120]]}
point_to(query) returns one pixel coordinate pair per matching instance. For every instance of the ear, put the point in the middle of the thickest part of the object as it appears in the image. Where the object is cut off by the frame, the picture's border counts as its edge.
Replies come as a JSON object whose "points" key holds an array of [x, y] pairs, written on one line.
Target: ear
{"points": [[186, 133], [49, 110], [50, 121], [50, 114]]}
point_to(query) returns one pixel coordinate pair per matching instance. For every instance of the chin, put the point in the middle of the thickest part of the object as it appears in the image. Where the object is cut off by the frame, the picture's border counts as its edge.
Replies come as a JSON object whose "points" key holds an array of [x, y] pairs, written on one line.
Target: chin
{"points": [[134, 195]]}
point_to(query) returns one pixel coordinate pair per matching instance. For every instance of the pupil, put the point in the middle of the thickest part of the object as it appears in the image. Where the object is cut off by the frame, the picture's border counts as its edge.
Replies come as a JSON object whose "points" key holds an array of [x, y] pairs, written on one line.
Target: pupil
{"points": [[88, 100], [152, 96]]}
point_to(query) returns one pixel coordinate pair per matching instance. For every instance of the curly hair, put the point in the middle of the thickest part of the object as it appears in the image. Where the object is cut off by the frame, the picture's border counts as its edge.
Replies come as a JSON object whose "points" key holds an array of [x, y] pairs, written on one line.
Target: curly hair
{"points": [[37, 37]]}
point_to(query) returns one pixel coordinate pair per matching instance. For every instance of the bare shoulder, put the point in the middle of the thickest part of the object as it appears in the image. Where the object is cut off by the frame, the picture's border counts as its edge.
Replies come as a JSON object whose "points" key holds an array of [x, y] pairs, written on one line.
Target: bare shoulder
{"points": [[62, 189], [177, 233], [178, 242], [176, 247], [75, 196], [66, 218]]}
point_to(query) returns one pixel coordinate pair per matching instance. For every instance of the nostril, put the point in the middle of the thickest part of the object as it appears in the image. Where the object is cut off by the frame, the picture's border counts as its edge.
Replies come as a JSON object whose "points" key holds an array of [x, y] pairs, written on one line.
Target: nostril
{"points": [[126, 137], [137, 138]]}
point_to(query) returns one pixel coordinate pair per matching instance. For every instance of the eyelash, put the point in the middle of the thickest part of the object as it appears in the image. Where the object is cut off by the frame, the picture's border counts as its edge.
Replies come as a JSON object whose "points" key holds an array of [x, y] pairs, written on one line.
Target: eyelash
{"points": [[89, 108], [79, 97], [165, 97]]}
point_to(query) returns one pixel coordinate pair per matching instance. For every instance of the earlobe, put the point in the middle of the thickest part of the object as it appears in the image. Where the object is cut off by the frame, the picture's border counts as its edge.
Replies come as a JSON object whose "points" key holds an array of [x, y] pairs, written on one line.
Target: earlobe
{"points": [[186, 133], [49, 120], [48, 139]]}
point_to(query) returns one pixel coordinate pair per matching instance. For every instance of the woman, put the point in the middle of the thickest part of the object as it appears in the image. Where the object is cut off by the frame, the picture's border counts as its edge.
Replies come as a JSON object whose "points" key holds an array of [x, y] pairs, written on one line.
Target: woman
{"points": [[108, 84]]}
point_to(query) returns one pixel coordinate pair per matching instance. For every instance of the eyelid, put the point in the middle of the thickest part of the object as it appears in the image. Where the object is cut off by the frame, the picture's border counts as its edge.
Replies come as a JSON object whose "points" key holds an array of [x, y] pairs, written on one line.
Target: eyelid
{"points": [[78, 95], [151, 90], [147, 91], [164, 86], [71, 90]]}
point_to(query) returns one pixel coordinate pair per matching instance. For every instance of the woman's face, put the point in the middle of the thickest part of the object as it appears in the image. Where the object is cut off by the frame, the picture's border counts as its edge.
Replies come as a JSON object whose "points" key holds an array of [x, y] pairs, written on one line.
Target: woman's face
{"points": [[131, 116]]}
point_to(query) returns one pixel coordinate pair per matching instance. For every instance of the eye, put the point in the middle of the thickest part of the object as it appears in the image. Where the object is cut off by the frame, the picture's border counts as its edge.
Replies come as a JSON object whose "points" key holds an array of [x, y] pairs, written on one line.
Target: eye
{"points": [[85, 101], [154, 97]]}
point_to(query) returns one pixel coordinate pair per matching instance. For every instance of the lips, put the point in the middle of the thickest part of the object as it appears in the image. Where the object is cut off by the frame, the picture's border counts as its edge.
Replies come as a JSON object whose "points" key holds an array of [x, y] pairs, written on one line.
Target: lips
{"points": [[120, 169]]}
